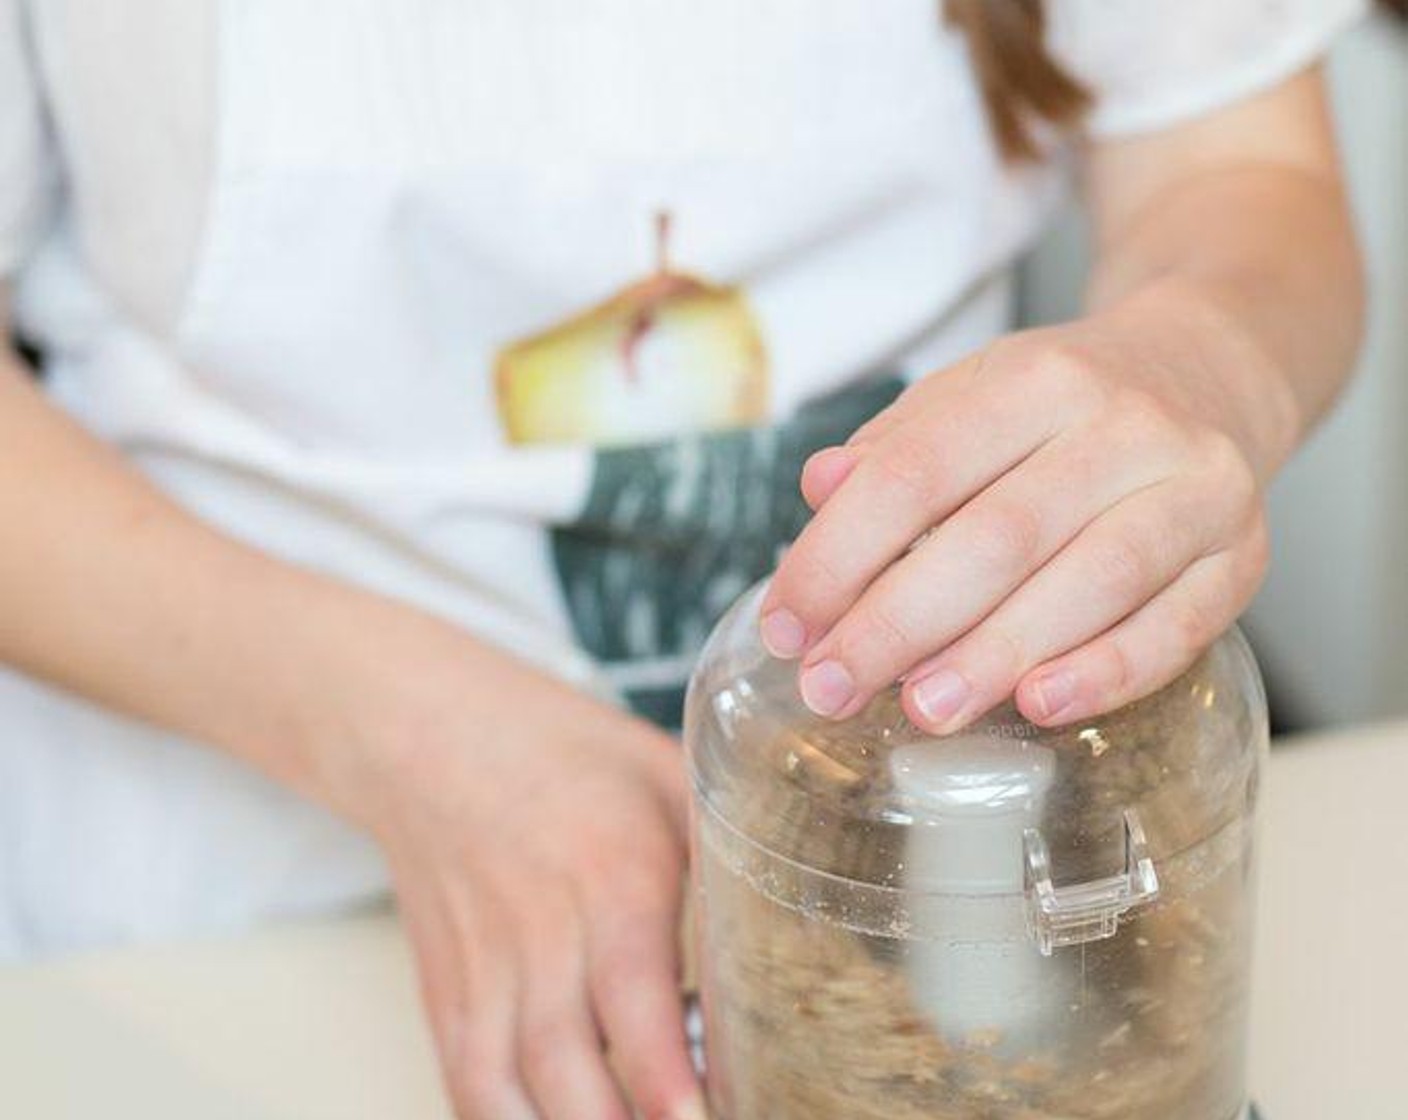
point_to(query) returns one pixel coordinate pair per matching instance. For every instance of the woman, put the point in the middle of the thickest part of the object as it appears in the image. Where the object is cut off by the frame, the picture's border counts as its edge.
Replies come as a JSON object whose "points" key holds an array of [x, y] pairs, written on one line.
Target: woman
{"points": [[420, 378]]}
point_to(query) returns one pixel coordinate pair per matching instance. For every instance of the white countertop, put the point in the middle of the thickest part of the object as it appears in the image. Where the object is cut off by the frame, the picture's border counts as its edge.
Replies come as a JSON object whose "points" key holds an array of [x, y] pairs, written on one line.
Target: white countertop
{"points": [[321, 1021]]}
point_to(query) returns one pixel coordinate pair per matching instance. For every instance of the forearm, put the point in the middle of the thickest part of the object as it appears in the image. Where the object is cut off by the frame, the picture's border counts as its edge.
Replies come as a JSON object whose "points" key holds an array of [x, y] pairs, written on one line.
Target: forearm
{"points": [[1240, 227], [110, 590], [534, 836], [1265, 257]]}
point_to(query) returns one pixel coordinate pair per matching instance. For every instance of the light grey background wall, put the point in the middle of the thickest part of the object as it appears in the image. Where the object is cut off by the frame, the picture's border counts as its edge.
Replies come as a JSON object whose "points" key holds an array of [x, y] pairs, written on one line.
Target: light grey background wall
{"points": [[1331, 623]]}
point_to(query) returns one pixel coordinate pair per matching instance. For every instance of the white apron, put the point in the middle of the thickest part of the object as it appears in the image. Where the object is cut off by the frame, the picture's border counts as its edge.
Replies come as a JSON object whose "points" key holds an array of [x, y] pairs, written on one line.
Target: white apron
{"points": [[420, 207]]}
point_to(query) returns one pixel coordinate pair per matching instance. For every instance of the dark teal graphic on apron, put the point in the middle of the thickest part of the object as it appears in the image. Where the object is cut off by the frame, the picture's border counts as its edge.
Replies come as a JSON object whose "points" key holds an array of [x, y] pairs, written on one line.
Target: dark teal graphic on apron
{"points": [[673, 532]]}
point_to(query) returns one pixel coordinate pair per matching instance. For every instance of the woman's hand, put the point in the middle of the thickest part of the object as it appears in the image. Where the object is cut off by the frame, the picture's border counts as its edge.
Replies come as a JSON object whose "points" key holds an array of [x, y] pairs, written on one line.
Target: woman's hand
{"points": [[1070, 516], [535, 836], [537, 844]]}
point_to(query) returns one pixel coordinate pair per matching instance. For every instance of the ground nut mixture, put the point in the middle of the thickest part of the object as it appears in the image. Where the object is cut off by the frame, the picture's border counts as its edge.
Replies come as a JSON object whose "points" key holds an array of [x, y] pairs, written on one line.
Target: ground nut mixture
{"points": [[811, 1020]]}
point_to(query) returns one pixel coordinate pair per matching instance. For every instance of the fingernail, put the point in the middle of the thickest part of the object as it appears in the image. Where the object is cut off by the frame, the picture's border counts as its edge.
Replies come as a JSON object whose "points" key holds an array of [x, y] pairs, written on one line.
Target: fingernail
{"points": [[940, 697], [692, 1109], [827, 687], [783, 633], [1055, 692]]}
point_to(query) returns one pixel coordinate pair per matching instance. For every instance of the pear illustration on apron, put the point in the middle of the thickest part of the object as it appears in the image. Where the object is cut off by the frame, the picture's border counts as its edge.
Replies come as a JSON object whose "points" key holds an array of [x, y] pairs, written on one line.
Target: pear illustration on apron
{"points": [[668, 354]]}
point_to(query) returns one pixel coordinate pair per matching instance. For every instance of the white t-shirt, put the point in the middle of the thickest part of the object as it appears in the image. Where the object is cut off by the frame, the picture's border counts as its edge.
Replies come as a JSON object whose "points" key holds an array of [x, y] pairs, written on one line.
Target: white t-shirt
{"points": [[378, 286]]}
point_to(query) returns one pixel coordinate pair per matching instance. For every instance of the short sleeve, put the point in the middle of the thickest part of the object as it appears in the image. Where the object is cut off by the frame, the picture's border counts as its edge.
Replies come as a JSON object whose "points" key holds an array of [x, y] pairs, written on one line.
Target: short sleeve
{"points": [[1154, 63], [25, 171]]}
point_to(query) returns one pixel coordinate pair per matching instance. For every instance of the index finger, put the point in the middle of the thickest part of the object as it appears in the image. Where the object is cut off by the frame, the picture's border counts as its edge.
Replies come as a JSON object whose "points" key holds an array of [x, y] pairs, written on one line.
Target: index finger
{"points": [[640, 1005], [908, 480]]}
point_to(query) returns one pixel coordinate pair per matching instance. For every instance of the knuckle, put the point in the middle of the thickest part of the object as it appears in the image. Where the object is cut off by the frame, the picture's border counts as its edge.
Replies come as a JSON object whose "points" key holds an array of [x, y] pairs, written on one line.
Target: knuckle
{"points": [[615, 966], [546, 917], [1066, 371], [1191, 626], [650, 1093], [1009, 535], [1223, 459], [479, 1098], [631, 973], [542, 1044], [480, 1087], [877, 632], [632, 960], [1219, 453], [1118, 672], [1007, 650], [598, 870], [807, 576], [1124, 568], [909, 464], [1145, 421]]}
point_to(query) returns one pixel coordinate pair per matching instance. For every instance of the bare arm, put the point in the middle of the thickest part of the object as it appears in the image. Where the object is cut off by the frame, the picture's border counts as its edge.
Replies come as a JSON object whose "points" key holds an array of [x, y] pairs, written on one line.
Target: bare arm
{"points": [[110, 590], [1090, 494], [1242, 217], [535, 836]]}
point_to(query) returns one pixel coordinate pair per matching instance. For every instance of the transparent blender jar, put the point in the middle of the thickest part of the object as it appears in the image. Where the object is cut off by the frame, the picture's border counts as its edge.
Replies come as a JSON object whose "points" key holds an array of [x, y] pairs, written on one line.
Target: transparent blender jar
{"points": [[1011, 923]]}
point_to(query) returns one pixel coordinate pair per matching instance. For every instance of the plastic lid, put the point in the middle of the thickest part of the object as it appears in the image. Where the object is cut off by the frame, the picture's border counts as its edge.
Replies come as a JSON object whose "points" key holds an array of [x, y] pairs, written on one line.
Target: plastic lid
{"points": [[1074, 820]]}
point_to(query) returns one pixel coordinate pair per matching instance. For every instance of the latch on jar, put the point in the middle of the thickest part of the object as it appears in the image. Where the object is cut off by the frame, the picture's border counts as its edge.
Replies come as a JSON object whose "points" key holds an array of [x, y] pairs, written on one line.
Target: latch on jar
{"points": [[1083, 912]]}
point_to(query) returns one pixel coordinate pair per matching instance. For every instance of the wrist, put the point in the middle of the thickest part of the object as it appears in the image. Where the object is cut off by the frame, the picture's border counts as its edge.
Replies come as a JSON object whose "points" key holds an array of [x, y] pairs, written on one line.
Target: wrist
{"points": [[1227, 372], [386, 677], [406, 698]]}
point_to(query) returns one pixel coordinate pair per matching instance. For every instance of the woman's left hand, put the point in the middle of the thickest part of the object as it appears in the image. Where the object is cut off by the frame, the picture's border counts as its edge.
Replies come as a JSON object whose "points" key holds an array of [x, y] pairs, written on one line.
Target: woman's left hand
{"points": [[1069, 517]]}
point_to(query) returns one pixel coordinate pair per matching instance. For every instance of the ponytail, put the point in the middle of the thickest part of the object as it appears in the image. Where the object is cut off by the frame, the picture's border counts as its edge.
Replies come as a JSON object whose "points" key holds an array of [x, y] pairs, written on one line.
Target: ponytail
{"points": [[1023, 87]]}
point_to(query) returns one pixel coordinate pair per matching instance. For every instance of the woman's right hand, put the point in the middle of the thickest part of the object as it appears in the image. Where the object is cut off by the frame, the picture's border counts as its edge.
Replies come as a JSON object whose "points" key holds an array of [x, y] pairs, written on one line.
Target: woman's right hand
{"points": [[535, 836], [536, 840]]}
